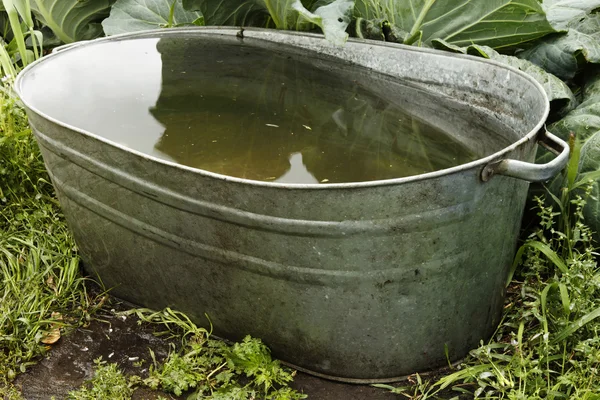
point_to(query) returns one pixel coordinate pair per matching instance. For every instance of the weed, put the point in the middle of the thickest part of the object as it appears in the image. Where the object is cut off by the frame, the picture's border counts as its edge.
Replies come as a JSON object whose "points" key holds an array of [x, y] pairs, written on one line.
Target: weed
{"points": [[417, 390], [108, 383], [214, 369], [9, 392]]}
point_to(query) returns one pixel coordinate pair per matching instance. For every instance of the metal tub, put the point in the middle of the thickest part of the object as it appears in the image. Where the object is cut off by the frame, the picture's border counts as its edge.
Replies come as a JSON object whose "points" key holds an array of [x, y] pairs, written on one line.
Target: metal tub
{"points": [[359, 282]]}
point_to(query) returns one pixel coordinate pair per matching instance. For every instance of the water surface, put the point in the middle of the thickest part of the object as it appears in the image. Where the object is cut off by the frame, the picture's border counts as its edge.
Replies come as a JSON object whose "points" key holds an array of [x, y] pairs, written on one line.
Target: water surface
{"points": [[246, 111]]}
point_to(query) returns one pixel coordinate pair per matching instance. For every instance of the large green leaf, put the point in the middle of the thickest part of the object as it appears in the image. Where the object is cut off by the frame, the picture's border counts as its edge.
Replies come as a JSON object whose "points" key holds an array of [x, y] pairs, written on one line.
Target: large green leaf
{"points": [[590, 152], [231, 12], [332, 16], [561, 13], [584, 123], [495, 23], [138, 15], [72, 20], [559, 94], [564, 54]]}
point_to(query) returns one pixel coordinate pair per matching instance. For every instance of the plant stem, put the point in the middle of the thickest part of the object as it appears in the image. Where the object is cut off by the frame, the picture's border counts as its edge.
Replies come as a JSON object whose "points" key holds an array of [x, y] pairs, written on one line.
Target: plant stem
{"points": [[421, 18]]}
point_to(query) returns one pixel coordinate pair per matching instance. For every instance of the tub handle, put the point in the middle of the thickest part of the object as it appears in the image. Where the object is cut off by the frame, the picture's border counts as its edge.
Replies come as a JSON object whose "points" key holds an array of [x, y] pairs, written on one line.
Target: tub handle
{"points": [[528, 171]]}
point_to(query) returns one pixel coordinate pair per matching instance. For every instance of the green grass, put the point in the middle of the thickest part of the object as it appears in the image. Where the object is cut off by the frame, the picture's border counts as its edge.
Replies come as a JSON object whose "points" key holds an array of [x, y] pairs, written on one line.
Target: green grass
{"points": [[41, 289], [42, 293]]}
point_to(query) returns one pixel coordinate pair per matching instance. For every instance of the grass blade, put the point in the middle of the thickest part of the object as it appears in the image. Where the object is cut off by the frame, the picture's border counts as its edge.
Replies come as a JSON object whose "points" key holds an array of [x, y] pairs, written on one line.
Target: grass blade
{"points": [[564, 297], [515, 264], [572, 328], [548, 252]]}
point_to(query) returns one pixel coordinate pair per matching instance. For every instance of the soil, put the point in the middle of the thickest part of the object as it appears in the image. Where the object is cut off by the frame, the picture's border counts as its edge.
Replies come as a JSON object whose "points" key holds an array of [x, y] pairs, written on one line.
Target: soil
{"points": [[70, 362]]}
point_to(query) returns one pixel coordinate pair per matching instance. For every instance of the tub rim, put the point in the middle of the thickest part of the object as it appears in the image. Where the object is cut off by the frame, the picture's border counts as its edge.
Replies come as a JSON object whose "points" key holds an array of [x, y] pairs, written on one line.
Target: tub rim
{"points": [[248, 33]]}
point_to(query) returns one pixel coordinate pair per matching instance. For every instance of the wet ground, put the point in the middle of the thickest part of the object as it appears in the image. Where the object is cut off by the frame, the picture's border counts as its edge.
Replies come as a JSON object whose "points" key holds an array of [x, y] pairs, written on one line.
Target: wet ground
{"points": [[120, 339]]}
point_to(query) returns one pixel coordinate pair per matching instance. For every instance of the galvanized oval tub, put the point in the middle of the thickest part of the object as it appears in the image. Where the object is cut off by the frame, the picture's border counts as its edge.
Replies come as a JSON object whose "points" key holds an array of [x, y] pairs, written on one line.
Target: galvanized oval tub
{"points": [[359, 282]]}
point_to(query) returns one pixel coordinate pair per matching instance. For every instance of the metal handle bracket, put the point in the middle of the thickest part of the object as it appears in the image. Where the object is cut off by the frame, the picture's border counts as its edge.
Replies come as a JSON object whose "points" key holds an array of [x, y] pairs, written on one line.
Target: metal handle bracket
{"points": [[528, 171]]}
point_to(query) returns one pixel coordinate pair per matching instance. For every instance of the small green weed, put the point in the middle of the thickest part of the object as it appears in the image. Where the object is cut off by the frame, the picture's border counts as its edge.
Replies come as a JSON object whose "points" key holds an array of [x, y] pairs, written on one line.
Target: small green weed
{"points": [[214, 369], [417, 390], [108, 383], [9, 392]]}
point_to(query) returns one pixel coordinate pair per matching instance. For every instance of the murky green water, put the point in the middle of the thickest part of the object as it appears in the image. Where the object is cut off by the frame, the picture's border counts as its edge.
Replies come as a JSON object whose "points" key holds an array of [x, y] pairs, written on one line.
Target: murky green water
{"points": [[259, 115], [248, 112], [291, 144]]}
